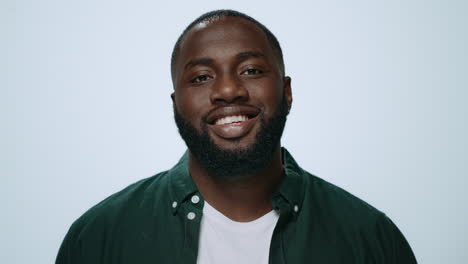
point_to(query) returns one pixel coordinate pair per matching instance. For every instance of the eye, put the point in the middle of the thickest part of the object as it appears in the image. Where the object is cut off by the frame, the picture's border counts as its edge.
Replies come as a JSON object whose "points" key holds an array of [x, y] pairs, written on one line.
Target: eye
{"points": [[252, 72], [200, 79]]}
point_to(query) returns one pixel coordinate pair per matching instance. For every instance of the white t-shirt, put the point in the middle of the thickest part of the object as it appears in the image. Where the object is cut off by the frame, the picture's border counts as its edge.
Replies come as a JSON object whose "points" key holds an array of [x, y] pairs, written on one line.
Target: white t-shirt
{"points": [[224, 241]]}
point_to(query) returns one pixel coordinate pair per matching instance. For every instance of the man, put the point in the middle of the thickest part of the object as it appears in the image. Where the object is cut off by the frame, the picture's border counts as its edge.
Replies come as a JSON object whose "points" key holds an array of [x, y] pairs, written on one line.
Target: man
{"points": [[236, 196]]}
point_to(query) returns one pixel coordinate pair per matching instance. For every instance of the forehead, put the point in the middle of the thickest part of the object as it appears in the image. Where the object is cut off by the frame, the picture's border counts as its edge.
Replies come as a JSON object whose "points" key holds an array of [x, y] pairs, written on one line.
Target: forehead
{"points": [[223, 37]]}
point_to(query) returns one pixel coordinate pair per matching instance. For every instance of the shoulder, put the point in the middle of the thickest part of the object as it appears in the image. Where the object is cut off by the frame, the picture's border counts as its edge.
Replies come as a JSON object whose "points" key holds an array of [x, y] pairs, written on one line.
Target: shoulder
{"points": [[141, 196], [112, 217], [339, 211], [322, 199], [332, 200], [339, 215]]}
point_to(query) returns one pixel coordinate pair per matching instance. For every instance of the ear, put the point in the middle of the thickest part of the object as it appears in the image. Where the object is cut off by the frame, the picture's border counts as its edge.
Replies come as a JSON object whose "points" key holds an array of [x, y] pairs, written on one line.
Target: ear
{"points": [[287, 91], [173, 100]]}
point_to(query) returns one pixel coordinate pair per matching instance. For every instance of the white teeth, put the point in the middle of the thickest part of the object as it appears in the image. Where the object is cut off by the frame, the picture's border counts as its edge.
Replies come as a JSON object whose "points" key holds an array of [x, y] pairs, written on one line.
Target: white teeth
{"points": [[231, 119]]}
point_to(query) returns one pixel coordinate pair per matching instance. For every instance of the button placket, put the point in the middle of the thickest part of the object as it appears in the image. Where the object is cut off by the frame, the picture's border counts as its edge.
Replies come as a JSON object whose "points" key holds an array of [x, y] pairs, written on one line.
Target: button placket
{"points": [[192, 214]]}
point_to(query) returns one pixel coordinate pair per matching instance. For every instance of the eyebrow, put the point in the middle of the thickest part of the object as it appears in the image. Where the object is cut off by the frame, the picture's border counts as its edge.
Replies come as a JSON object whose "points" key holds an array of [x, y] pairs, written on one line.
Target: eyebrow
{"points": [[206, 61], [249, 54], [200, 61]]}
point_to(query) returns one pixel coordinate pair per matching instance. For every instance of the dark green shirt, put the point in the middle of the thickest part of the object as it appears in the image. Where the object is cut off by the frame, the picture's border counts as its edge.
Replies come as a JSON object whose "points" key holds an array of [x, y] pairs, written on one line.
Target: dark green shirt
{"points": [[148, 222]]}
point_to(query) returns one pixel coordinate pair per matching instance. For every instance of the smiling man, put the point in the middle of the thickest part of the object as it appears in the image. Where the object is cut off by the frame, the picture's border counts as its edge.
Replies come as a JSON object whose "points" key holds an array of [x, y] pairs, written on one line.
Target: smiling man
{"points": [[236, 196]]}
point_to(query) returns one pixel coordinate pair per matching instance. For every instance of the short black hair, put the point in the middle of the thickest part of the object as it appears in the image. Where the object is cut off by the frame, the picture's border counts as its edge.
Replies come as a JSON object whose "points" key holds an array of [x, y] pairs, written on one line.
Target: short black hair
{"points": [[217, 14]]}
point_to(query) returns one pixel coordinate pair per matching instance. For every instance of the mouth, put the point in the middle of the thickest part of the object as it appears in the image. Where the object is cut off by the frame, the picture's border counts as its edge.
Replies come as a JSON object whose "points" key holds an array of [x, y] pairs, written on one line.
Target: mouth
{"points": [[232, 119], [232, 122], [231, 114]]}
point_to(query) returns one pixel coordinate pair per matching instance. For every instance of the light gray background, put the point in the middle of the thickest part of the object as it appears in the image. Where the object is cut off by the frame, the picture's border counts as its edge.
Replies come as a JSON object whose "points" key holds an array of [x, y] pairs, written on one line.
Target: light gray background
{"points": [[380, 91]]}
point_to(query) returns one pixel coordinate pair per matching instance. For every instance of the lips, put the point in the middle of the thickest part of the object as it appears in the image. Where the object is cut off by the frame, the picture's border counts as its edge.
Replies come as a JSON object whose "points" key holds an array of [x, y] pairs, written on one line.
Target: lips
{"points": [[231, 122]]}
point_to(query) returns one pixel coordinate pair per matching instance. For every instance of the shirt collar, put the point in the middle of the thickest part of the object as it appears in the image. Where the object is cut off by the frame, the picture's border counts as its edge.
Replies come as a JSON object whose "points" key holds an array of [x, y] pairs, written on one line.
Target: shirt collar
{"points": [[291, 188], [181, 185]]}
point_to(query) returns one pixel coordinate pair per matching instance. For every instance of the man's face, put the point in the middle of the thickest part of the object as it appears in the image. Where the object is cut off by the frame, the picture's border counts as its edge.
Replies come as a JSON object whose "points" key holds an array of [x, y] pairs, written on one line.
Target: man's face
{"points": [[230, 96]]}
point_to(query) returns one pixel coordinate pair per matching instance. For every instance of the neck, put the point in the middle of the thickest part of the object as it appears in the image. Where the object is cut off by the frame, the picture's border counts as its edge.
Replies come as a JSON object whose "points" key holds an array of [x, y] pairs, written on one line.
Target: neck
{"points": [[243, 198]]}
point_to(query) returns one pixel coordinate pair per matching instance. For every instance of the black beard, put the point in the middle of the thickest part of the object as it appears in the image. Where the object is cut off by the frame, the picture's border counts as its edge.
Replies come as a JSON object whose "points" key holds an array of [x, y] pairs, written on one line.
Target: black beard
{"points": [[225, 164]]}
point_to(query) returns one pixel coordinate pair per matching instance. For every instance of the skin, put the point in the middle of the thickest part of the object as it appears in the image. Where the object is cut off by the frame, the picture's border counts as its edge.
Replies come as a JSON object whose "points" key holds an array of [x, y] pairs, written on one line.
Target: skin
{"points": [[228, 62]]}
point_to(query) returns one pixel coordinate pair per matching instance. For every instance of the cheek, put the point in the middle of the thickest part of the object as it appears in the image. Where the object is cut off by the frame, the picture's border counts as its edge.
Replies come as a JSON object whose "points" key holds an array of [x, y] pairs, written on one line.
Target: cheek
{"points": [[191, 104], [268, 94]]}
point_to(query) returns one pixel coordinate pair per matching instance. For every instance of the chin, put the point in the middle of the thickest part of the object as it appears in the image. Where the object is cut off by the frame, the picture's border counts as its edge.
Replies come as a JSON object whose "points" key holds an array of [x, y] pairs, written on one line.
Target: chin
{"points": [[235, 145]]}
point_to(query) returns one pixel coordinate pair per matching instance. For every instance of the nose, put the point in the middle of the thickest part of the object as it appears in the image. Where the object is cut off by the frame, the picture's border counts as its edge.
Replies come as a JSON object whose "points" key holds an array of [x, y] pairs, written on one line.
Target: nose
{"points": [[228, 89]]}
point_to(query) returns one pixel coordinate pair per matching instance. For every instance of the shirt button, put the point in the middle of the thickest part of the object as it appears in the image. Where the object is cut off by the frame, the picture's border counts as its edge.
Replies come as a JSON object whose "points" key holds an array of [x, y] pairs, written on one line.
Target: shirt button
{"points": [[296, 208], [191, 215], [174, 204], [195, 199]]}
